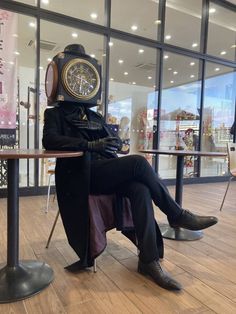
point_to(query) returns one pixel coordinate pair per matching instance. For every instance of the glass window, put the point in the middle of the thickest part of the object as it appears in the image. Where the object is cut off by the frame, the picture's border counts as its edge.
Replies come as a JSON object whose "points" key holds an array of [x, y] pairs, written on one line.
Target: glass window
{"points": [[179, 121], [54, 38], [221, 26], [183, 23], [89, 10], [139, 17], [218, 115], [17, 87], [132, 95]]}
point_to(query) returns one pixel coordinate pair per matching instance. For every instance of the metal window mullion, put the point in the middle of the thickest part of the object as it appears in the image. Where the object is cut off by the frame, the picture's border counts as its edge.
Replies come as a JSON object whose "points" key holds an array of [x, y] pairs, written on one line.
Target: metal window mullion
{"points": [[225, 4], [204, 26], [37, 101], [202, 70], [159, 99], [161, 17], [234, 84], [107, 50], [18, 7]]}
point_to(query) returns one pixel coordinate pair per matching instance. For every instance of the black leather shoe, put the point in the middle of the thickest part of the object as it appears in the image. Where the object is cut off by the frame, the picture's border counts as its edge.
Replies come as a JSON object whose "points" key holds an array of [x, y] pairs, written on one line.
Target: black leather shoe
{"points": [[161, 277], [191, 221]]}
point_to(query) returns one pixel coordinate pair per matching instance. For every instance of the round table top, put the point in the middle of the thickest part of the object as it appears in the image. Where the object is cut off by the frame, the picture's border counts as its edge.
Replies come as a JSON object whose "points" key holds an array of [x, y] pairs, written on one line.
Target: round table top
{"points": [[36, 153], [183, 152]]}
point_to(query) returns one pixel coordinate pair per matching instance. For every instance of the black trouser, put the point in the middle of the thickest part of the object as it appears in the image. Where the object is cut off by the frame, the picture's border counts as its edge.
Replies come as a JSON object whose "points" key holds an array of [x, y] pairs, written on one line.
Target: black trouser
{"points": [[132, 176]]}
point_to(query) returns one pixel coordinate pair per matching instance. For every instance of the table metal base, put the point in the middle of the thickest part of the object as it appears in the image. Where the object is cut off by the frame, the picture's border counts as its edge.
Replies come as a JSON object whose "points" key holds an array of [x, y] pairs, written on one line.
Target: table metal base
{"points": [[24, 280], [179, 233]]}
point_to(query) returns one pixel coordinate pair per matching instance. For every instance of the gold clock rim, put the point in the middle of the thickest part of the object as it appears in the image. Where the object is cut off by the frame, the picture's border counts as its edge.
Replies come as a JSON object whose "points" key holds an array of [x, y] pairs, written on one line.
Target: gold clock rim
{"points": [[66, 85]]}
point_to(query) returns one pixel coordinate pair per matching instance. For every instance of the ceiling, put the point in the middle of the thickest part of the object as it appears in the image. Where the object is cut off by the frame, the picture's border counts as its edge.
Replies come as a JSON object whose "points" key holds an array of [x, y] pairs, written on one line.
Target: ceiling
{"points": [[180, 14]]}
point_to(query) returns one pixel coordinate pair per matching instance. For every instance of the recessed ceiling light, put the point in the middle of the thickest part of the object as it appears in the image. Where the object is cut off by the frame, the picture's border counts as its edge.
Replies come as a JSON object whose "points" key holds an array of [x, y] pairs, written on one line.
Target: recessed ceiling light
{"points": [[149, 77], [134, 83], [175, 72], [233, 46], [110, 44], [141, 51], [49, 59], [32, 24], [121, 61], [194, 45], [166, 56], [192, 64], [157, 22], [104, 55], [217, 69], [74, 35], [171, 82], [169, 69], [93, 16], [154, 86], [126, 73], [167, 37], [192, 75], [16, 35], [134, 27], [16, 53], [212, 10], [223, 52], [111, 79], [92, 55], [45, 1], [40, 68]]}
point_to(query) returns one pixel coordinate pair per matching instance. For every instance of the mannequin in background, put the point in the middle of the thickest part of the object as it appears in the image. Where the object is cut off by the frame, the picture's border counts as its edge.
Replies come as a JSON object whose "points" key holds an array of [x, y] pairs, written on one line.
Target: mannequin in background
{"points": [[124, 134], [71, 125]]}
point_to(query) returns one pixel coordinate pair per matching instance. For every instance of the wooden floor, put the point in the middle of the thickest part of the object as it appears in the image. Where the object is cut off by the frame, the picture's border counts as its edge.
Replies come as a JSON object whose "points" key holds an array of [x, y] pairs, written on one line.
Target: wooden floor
{"points": [[206, 268]]}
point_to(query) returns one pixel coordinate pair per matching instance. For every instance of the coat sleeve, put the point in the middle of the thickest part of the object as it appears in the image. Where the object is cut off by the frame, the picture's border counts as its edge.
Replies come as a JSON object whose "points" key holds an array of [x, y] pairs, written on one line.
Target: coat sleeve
{"points": [[53, 138], [112, 133]]}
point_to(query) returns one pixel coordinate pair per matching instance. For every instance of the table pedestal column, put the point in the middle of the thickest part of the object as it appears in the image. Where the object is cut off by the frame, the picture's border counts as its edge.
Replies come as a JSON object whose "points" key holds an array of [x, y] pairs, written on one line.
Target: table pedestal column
{"points": [[179, 233], [19, 279]]}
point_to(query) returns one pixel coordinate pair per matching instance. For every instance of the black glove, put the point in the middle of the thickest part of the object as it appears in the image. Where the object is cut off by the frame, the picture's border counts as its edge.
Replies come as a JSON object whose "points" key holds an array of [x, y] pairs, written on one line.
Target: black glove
{"points": [[106, 144]]}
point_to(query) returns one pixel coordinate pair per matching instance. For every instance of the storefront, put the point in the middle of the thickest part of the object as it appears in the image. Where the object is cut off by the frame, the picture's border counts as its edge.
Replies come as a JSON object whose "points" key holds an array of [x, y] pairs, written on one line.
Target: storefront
{"points": [[169, 77]]}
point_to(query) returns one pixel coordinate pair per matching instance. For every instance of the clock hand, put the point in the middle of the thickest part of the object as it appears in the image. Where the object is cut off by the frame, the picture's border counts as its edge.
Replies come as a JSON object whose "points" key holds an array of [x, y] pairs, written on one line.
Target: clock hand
{"points": [[81, 79], [85, 81]]}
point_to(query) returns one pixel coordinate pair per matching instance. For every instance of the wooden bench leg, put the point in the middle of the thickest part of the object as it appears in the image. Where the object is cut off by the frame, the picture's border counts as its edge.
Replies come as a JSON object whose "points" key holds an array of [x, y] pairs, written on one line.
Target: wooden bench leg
{"points": [[52, 230]]}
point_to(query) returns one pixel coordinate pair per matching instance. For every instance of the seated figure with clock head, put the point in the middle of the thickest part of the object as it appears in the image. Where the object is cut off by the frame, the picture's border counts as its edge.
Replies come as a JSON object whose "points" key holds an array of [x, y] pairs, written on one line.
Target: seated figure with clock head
{"points": [[73, 86]]}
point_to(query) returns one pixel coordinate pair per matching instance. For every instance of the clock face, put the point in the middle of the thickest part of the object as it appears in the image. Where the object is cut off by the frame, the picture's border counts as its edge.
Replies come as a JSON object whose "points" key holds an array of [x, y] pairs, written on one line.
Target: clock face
{"points": [[51, 80], [81, 79]]}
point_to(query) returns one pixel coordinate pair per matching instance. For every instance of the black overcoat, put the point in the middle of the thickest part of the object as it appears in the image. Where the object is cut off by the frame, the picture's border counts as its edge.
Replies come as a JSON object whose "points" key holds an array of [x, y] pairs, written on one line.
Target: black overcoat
{"points": [[73, 180]]}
